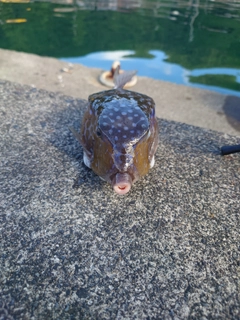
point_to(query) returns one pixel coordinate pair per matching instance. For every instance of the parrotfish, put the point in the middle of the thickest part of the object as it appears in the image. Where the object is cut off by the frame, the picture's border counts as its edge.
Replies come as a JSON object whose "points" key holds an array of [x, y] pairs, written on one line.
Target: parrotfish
{"points": [[119, 134]]}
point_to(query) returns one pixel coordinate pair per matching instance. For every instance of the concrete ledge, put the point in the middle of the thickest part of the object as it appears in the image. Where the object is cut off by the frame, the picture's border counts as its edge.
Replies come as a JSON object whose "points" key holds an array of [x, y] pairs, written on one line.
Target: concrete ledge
{"points": [[193, 106], [73, 249]]}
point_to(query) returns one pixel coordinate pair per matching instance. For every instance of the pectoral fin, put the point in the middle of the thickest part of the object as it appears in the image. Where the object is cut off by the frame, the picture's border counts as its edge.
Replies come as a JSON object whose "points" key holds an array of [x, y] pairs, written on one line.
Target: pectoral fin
{"points": [[76, 135]]}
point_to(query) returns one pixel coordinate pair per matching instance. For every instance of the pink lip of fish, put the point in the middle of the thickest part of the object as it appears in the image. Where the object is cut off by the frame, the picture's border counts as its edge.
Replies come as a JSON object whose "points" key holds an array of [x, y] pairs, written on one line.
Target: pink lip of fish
{"points": [[119, 134]]}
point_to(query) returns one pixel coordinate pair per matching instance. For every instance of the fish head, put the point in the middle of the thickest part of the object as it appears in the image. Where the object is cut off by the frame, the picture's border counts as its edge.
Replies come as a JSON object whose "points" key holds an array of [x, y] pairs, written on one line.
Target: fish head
{"points": [[123, 139]]}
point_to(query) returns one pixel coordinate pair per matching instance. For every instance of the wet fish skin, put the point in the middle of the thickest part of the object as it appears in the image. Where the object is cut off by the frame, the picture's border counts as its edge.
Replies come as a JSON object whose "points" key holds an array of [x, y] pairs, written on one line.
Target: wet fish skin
{"points": [[119, 135]]}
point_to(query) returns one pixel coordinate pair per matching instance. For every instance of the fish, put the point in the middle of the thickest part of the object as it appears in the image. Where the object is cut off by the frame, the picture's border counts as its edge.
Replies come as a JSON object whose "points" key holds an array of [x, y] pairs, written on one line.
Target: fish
{"points": [[119, 134]]}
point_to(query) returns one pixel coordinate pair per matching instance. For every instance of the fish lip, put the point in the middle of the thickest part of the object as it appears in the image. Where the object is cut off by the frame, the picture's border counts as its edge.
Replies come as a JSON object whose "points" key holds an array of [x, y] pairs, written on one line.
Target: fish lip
{"points": [[122, 183]]}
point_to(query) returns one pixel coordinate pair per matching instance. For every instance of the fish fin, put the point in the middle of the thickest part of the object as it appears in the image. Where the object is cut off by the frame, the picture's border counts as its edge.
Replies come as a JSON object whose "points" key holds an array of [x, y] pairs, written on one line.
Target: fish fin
{"points": [[120, 79], [86, 159], [152, 162], [76, 135], [87, 153]]}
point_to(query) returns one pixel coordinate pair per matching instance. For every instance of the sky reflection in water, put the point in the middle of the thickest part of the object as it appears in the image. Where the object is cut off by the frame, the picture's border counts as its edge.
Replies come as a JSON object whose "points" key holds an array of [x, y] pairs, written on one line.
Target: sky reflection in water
{"points": [[156, 67]]}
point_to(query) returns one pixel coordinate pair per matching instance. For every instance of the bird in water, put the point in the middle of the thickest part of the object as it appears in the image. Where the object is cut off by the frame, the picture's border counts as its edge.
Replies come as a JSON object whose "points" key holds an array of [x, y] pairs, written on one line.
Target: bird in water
{"points": [[119, 134]]}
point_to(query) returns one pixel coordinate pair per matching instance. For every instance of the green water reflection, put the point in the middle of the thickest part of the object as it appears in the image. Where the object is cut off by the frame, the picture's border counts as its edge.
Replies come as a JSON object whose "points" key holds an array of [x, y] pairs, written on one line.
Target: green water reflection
{"points": [[194, 34]]}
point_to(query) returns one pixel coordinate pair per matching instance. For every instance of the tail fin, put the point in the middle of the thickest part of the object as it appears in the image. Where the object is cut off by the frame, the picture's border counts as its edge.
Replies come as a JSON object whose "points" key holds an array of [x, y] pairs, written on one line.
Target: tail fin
{"points": [[120, 79]]}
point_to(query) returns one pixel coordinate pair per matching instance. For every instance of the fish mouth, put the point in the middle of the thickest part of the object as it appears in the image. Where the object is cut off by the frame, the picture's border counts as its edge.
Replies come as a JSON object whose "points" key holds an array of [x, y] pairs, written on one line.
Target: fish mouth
{"points": [[122, 183]]}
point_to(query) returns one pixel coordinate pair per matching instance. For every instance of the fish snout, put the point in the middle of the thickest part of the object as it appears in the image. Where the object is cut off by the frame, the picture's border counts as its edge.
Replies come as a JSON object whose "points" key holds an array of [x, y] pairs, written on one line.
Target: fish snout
{"points": [[122, 183]]}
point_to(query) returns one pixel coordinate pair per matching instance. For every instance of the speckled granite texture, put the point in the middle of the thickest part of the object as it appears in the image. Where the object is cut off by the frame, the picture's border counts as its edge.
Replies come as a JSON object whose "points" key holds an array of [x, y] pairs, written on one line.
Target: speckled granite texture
{"points": [[70, 248]]}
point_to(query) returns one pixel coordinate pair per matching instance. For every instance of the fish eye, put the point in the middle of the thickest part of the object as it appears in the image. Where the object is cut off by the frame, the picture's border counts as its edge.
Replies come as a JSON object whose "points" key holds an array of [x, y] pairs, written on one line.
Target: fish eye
{"points": [[99, 133]]}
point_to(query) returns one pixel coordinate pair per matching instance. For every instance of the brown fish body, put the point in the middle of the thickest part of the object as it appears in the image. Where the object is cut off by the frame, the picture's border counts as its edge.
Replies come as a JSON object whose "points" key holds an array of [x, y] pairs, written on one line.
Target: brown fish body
{"points": [[119, 135]]}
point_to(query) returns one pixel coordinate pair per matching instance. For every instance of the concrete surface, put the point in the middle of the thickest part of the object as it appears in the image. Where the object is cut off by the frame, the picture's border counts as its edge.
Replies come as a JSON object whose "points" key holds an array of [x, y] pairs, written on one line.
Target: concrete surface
{"points": [[70, 248], [198, 107]]}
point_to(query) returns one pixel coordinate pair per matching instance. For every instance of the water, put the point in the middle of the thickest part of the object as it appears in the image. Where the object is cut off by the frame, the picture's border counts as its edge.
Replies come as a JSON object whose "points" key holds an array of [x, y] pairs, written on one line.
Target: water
{"points": [[191, 42]]}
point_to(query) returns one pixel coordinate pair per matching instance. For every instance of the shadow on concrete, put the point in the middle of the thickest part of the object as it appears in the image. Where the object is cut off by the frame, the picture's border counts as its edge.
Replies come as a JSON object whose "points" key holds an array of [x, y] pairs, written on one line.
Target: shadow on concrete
{"points": [[231, 109]]}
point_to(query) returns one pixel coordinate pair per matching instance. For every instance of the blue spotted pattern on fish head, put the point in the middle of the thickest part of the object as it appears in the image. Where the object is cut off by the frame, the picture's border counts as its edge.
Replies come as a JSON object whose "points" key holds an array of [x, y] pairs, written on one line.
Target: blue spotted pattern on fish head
{"points": [[124, 124]]}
